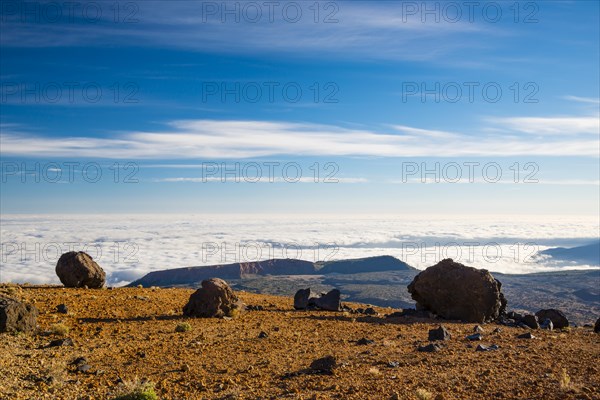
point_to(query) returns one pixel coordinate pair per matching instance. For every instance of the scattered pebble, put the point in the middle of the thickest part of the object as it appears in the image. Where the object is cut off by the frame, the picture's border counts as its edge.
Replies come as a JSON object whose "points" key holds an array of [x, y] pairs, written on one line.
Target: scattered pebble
{"points": [[475, 337], [482, 347], [527, 335], [440, 333], [62, 309], [61, 342], [364, 342], [430, 348]]}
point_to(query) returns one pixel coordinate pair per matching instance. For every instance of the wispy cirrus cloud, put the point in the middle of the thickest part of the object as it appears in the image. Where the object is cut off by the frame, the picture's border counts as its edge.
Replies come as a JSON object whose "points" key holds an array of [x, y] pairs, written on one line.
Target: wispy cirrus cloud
{"points": [[230, 139], [373, 30], [589, 125], [587, 100]]}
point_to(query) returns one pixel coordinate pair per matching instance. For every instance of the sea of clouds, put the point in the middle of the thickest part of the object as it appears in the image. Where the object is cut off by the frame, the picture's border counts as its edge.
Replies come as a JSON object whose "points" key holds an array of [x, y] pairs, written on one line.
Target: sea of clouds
{"points": [[129, 246]]}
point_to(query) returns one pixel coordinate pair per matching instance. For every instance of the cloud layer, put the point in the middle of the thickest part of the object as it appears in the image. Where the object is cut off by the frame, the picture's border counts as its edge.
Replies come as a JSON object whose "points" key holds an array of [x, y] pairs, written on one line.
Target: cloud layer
{"points": [[129, 246]]}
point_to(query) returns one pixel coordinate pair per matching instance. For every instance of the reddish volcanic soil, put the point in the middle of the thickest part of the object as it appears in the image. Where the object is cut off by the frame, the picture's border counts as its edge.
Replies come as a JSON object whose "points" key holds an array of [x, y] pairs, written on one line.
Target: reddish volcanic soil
{"points": [[129, 333]]}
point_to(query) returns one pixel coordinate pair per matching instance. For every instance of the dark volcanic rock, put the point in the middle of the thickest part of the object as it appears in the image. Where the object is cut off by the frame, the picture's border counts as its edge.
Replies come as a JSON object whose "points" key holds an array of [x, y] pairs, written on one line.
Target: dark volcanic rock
{"points": [[330, 301], [77, 269], [475, 336], [430, 348], [370, 311], [455, 291], [482, 347], [411, 312], [439, 333], [527, 335], [16, 316], [531, 321], [301, 299], [324, 365], [364, 342], [214, 299], [62, 308], [597, 326], [515, 316], [558, 318], [61, 342]]}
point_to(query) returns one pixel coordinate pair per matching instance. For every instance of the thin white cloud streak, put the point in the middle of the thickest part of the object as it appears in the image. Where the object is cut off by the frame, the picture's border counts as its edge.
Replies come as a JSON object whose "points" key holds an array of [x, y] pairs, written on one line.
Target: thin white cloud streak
{"points": [[566, 182], [578, 99], [551, 125], [233, 139], [264, 179]]}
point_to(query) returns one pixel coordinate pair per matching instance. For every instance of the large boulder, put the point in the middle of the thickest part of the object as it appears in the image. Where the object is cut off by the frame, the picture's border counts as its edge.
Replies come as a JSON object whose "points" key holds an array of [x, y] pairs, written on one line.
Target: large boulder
{"points": [[597, 326], [301, 299], [330, 301], [558, 318], [214, 299], [454, 291], [16, 316], [77, 269]]}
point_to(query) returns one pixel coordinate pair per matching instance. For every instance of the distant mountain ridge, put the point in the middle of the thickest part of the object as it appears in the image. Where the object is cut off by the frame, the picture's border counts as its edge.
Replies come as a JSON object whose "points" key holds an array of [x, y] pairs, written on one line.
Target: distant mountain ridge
{"points": [[588, 254], [289, 266]]}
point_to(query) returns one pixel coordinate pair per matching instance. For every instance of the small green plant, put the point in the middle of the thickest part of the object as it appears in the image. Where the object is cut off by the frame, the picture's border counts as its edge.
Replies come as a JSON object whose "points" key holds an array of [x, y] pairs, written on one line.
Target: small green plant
{"points": [[59, 329], [423, 394], [564, 380], [183, 327], [138, 390], [234, 313]]}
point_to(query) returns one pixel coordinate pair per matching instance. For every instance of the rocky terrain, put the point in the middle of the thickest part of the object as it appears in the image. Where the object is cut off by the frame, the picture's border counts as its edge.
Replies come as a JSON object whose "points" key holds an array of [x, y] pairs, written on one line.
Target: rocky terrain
{"points": [[97, 343]]}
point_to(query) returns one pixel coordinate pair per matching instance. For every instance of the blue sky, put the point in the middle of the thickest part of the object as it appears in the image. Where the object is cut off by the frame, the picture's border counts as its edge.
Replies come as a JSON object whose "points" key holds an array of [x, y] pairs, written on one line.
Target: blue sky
{"points": [[171, 94]]}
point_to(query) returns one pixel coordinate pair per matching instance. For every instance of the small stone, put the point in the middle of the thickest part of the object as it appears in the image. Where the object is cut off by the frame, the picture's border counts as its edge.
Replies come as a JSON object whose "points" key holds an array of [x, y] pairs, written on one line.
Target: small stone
{"points": [[324, 365], [263, 335], [185, 368], [79, 361], [526, 335], [498, 330], [475, 336], [531, 321], [482, 347], [62, 308], [364, 342], [61, 342], [430, 348], [439, 334], [370, 311], [84, 368], [478, 329], [393, 364]]}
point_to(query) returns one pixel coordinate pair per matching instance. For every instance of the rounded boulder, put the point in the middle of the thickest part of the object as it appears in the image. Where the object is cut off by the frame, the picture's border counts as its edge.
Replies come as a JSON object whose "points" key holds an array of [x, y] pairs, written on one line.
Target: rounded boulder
{"points": [[77, 269]]}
